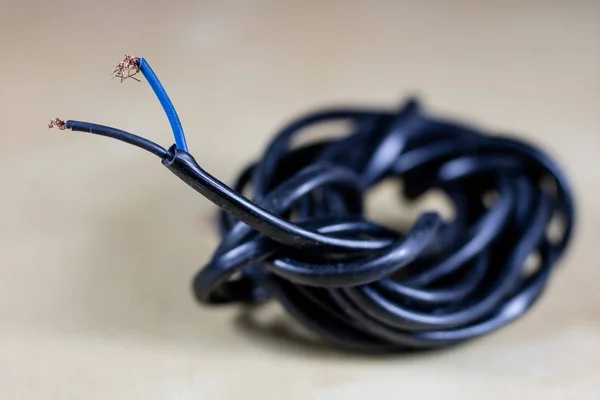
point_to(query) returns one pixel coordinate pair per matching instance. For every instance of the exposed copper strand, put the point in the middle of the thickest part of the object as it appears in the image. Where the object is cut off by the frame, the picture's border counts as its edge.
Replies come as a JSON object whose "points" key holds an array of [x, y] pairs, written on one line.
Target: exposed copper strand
{"points": [[127, 68], [57, 122]]}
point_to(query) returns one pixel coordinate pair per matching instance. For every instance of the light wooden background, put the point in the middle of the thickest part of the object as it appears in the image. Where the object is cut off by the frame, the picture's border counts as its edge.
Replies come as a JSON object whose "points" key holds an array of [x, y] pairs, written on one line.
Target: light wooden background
{"points": [[98, 242]]}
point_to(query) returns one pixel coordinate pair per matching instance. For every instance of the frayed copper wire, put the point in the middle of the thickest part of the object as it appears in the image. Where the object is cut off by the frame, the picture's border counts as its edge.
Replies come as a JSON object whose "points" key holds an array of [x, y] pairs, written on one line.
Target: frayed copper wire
{"points": [[127, 68], [59, 123]]}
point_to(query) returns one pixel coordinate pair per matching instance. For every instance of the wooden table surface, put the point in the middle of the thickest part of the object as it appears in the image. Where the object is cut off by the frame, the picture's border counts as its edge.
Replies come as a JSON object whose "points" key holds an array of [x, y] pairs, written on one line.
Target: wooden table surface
{"points": [[99, 242]]}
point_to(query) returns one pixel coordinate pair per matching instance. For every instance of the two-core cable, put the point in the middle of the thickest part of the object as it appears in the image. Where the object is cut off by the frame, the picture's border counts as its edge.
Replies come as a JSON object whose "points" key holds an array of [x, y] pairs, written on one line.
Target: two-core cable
{"points": [[302, 238]]}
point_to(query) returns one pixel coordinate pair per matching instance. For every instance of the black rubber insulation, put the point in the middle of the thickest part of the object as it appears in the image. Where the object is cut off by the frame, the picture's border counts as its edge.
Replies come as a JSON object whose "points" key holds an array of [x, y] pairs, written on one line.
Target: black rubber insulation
{"points": [[302, 237]]}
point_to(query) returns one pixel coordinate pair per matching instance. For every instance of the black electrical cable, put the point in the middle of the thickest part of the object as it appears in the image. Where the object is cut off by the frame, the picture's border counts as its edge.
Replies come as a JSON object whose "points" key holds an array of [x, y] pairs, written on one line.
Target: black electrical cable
{"points": [[303, 239]]}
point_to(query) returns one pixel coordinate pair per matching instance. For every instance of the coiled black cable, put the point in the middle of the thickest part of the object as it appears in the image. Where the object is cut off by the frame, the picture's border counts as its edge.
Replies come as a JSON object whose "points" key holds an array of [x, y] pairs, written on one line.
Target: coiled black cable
{"points": [[302, 238]]}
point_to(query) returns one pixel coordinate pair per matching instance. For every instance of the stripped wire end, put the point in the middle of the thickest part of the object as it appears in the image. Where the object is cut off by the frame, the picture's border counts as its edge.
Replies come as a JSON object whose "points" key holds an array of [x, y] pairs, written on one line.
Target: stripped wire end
{"points": [[127, 68], [57, 122]]}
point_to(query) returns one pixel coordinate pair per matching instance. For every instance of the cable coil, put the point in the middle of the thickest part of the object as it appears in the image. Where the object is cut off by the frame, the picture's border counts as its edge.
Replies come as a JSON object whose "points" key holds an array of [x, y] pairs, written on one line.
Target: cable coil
{"points": [[302, 238]]}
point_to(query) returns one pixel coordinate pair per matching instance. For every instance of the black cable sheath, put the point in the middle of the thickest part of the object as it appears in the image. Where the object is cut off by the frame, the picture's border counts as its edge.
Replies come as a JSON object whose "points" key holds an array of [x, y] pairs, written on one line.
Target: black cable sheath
{"points": [[303, 239]]}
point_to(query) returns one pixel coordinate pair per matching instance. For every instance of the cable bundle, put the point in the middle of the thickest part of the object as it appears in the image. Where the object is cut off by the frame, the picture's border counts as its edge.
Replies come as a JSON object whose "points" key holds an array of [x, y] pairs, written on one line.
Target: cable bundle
{"points": [[302, 237]]}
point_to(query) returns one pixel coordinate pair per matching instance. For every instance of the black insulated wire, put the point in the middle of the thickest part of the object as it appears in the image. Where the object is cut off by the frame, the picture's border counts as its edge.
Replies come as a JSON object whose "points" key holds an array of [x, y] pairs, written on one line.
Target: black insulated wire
{"points": [[302, 237], [118, 134]]}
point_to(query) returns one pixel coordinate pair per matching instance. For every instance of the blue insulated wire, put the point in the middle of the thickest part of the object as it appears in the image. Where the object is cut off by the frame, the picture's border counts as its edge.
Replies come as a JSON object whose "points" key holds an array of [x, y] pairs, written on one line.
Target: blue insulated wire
{"points": [[166, 103]]}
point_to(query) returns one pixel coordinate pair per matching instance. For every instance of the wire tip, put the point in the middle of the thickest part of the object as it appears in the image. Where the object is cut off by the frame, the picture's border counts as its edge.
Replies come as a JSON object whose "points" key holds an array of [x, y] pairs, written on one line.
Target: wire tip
{"points": [[127, 68], [57, 122]]}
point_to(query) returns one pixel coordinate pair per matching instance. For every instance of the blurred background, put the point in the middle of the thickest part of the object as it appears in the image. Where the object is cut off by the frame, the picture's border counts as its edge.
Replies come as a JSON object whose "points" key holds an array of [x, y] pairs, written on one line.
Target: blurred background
{"points": [[99, 243]]}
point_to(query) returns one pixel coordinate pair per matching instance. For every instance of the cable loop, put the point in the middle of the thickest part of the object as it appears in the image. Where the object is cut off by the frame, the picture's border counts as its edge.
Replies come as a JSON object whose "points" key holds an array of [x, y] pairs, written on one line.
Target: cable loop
{"points": [[433, 285]]}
